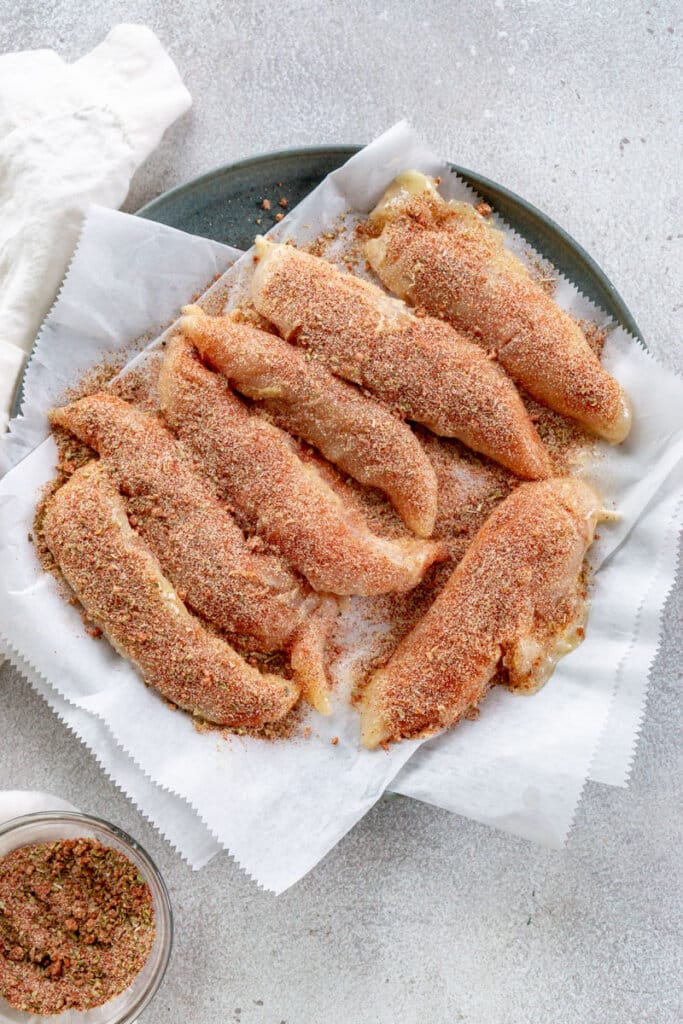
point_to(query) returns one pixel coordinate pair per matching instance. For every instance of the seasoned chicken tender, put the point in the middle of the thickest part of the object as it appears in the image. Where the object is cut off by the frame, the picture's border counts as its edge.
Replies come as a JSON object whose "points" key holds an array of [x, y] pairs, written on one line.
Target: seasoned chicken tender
{"points": [[123, 590], [516, 600], [198, 543], [419, 365], [446, 258], [285, 500], [356, 433], [310, 654]]}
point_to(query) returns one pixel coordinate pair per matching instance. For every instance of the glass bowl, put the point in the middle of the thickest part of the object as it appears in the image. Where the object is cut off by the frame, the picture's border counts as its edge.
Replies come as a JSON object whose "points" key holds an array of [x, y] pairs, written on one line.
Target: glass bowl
{"points": [[52, 826]]}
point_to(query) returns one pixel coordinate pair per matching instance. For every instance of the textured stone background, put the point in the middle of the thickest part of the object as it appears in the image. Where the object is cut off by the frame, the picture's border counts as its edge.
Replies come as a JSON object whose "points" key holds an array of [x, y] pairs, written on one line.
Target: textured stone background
{"points": [[418, 915]]}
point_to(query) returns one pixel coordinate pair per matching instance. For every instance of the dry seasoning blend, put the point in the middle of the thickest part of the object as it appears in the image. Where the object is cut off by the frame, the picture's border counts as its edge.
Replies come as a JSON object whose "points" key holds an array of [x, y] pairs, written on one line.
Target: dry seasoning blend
{"points": [[76, 925]]}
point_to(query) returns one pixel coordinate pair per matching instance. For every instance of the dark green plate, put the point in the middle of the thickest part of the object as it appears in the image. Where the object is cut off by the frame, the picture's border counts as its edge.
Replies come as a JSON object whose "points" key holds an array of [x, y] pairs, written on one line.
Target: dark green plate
{"points": [[226, 203]]}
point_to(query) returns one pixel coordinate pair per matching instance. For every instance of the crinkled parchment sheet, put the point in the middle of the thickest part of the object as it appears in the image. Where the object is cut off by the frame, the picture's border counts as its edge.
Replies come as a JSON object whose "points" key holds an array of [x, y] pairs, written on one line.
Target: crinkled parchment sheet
{"points": [[279, 807]]}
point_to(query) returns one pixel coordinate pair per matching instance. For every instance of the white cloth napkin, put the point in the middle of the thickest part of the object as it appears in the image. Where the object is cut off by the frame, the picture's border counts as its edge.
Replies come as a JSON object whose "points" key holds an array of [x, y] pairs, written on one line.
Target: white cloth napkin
{"points": [[70, 134], [15, 803]]}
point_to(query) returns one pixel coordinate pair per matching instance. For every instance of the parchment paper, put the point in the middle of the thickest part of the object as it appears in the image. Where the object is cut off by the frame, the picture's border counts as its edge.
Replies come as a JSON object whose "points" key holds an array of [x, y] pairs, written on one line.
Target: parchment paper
{"points": [[522, 764], [126, 281], [280, 807], [173, 816], [277, 807], [628, 476], [643, 480]]}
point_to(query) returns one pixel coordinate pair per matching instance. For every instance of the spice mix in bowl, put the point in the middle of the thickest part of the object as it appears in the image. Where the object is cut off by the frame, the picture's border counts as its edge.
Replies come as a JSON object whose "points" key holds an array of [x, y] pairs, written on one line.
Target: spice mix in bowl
{"points": [[85, 921]]}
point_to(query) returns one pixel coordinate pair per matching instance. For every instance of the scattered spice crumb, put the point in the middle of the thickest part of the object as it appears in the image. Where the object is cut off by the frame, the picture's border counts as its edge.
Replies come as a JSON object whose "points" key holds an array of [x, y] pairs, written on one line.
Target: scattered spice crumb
{"points": [[334, 741], [483, 209], [283, 203], [279, 216]]}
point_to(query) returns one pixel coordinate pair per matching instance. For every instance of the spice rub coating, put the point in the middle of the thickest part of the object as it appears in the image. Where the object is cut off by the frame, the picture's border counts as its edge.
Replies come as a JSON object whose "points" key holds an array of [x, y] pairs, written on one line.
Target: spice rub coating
{"points": [[76, 925], [123, 591], [359, 435], [310, 654], [285, 500], [418, 365], [174, 509], [515, 601], [449, 260]]}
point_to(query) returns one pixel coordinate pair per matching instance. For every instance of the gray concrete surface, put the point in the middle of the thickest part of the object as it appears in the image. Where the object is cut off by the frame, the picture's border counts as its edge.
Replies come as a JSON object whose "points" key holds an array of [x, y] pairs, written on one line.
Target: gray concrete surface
{"points": [[418, 915]]}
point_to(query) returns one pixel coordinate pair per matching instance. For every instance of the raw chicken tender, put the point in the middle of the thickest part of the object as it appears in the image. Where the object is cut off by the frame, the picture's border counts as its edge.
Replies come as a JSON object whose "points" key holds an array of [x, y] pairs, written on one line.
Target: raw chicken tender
{"points": [[285, 500], [516, 600], [446, 258]]}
